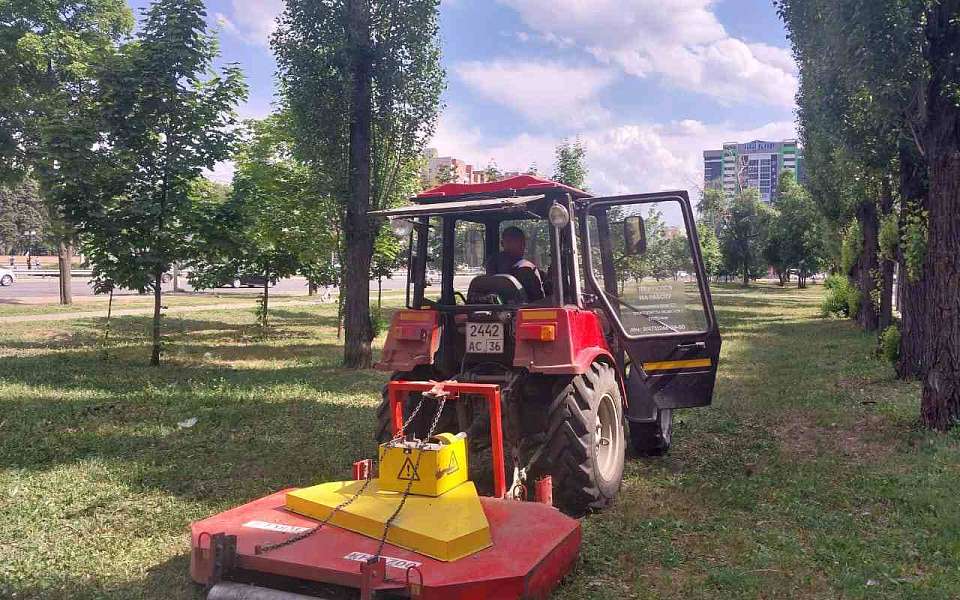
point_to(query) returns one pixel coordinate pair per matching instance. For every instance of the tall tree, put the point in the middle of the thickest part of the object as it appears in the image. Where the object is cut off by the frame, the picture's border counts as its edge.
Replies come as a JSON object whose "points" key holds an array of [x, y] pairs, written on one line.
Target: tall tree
{"points": [[570, 167], [167, 116], [940, 404], [744, 233], [362, 81], [796, 239], [50, 50]]}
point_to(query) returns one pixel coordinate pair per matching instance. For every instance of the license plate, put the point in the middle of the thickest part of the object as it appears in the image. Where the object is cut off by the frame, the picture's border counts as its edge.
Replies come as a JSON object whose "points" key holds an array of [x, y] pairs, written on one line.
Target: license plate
{"points": [[484, 338]]}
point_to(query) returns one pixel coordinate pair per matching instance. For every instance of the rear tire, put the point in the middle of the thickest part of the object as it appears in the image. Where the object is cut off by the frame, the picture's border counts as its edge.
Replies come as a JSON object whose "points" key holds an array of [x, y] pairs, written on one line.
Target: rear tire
{"points": [[585, 441], [653, 439]]}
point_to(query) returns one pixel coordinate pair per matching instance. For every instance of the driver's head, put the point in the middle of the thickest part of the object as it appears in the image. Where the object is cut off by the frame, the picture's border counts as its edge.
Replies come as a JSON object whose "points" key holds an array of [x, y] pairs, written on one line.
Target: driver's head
{"points": [[514, 242]]}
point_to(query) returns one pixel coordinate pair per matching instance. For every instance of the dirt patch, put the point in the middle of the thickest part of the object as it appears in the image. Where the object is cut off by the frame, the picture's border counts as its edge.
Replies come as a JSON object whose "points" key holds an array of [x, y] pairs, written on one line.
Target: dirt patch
{"points": [[869, 438]]}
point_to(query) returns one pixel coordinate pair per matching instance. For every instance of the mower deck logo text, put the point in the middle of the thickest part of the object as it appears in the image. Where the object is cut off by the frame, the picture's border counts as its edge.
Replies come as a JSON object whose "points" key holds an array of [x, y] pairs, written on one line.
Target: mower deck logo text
{"points": [[408, 471], [391, 562]]}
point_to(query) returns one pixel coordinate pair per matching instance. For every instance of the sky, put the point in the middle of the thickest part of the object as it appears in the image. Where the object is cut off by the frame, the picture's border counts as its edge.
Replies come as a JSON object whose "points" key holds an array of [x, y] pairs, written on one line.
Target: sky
{"points": [[646, 85]]}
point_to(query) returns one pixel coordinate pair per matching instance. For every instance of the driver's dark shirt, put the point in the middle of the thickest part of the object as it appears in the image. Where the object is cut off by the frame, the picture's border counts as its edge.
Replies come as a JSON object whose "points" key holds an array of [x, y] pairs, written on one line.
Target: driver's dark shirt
{"points": [[501, 263]]}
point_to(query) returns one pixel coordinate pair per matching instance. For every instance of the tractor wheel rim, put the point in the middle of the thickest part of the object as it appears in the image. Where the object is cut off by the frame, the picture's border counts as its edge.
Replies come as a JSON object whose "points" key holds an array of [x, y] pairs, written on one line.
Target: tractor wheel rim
{"points": [[609, 440]]}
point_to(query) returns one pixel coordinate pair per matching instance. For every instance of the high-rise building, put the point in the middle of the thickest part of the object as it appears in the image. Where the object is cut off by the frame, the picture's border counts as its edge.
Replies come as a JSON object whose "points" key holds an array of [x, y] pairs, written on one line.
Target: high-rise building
{"points": [[757, 164], [457, 170]]}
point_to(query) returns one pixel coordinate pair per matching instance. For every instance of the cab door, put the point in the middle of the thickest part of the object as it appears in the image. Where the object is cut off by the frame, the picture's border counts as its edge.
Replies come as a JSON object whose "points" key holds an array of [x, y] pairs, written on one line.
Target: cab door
{"points": [[656, 295]]}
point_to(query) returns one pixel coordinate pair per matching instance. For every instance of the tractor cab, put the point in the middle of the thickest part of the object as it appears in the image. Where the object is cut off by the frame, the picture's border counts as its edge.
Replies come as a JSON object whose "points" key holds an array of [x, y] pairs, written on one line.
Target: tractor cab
{"points": [[609, 291]]}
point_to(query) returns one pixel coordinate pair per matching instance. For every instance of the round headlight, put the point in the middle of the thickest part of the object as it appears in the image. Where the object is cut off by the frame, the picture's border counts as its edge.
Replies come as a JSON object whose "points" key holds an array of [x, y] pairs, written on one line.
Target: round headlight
{"points": [[559, 216], [401, 227]]}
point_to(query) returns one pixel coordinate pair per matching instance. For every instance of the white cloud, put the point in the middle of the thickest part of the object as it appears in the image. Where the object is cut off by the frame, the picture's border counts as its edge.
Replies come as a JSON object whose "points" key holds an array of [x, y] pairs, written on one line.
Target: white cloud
{"points": [[540, 90], [252, 20], [680, 41], [635, 157]]}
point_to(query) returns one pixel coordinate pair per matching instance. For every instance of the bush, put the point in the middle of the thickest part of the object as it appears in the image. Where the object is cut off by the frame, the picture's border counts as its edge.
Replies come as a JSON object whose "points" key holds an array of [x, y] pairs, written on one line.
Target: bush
{"points": [[842, 298], [834, 280], [890, 343]]}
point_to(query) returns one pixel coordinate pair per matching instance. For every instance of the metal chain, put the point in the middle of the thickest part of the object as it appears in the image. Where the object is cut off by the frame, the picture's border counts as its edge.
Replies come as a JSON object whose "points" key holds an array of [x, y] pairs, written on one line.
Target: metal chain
{"points": [[260, 549], [403, 427], [416, 469]]}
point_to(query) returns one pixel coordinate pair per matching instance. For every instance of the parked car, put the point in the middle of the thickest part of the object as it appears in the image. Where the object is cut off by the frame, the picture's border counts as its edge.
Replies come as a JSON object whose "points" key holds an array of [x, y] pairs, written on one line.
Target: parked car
{"points": [[247, 281], [7, 276], [432, 277]]}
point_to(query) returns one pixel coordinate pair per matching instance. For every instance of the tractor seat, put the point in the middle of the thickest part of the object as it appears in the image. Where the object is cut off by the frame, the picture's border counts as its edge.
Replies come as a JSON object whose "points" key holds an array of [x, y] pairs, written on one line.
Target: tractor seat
{"points": [[496, 289]]}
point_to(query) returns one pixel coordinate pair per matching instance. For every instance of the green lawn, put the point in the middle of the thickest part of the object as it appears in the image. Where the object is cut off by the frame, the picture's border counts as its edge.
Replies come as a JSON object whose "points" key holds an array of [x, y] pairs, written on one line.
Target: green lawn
{"points": [[808, 478]]}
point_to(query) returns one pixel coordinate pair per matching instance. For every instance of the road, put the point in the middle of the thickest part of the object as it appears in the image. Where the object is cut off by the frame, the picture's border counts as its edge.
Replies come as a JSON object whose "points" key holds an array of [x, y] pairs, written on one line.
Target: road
{"points": [[38, 289]]}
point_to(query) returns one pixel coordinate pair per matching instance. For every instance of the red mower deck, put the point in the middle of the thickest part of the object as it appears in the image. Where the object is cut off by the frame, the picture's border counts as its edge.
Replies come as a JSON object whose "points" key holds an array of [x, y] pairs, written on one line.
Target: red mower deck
{"points": [[534, 546]]}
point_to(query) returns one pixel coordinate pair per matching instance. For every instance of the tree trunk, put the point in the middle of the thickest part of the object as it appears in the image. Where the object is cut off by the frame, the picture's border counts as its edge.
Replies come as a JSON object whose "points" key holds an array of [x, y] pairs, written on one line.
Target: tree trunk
{"points": [[311, 288], [357, 353], [941, 358], [940, 402], [867, 265], [886, 265], [913, 195], [340, 296], [746, 273], [64, 256], [157, 295], [266, 298]]}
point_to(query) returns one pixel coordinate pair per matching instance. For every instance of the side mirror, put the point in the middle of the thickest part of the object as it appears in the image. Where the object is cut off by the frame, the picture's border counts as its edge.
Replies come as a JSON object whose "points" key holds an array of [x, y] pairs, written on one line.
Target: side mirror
{"points": [[634, 235]]}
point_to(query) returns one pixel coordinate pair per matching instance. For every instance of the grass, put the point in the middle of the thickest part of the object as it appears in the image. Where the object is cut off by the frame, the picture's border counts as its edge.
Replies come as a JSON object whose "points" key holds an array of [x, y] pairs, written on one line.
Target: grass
{"points": [[807, 478]]}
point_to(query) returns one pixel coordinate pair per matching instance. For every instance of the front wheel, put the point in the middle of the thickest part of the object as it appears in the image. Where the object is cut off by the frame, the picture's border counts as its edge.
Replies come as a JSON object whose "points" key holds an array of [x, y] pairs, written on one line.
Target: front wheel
{"points": [[585, 442], [6, 280], [654, 438]]}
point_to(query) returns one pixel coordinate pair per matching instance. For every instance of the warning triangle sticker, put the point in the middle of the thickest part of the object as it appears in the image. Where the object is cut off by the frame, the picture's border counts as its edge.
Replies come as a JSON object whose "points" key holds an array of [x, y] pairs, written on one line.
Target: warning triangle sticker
{"points": [[452, 468], [408, 471]]}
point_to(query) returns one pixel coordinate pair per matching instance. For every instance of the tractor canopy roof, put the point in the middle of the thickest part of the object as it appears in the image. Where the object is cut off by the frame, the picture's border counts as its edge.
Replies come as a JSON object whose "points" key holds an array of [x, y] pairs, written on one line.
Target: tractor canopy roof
{"points": [[523, 196], [521, 185]]}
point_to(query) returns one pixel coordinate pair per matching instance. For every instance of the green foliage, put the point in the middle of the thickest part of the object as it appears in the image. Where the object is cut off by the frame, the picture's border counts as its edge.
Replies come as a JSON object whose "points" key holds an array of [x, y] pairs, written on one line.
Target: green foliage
{"points": [[313, 56], [889, 237], [446, 174], [50, 52], [853, 302], [162, 126], [379, 322], [851, 246], [890, 343], [914, 241], [24, 224], [492, 172], [270, 223], [713, 208], [710, 248], [839, 299], [744, 234], [570, 168]]}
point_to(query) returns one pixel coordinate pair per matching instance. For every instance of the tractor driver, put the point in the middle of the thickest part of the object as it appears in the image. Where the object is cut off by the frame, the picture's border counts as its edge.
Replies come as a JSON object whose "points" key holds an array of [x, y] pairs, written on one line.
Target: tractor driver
{"points": [[510, 261]]}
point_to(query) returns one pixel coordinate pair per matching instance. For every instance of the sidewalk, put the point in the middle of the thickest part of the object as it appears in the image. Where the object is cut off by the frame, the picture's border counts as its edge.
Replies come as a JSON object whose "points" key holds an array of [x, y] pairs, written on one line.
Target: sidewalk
{"points": [[124, 312]]}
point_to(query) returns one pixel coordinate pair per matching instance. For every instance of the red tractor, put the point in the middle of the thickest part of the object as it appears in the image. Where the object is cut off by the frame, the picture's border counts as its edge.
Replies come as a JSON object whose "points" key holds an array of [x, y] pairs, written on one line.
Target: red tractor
{"points": [[603, 325], [594, 319]]}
